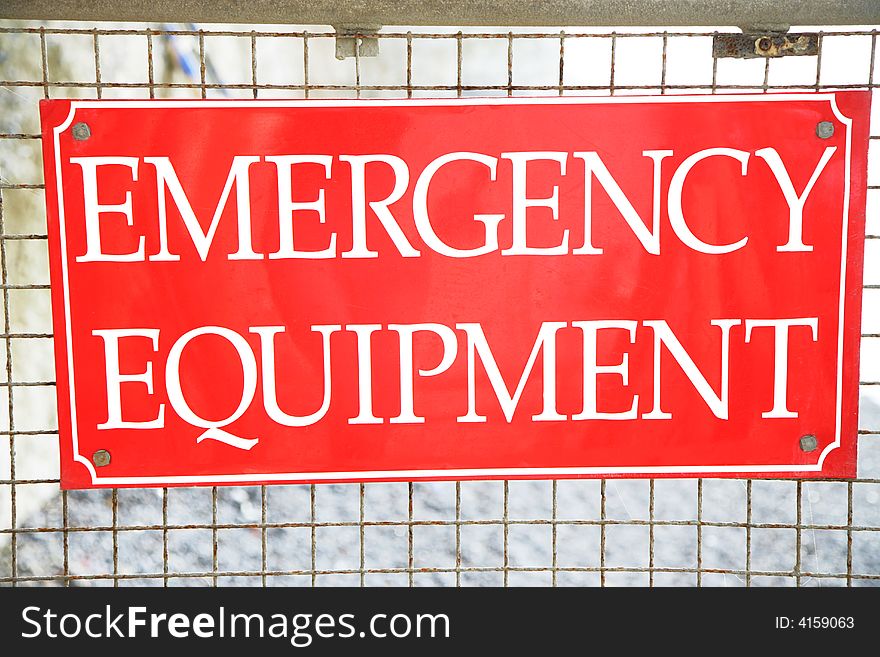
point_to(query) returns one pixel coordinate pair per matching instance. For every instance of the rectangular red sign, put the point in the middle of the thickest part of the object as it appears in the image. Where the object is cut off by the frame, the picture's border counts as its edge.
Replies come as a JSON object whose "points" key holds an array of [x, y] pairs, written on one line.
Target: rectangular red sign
{"points": [[339, 290]]}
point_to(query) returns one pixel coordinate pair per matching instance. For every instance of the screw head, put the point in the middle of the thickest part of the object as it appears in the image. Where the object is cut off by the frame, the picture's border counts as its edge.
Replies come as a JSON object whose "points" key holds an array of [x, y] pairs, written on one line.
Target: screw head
{"points": [[81, 131], [808, 443], [824, 129], [101, 458], [764, 44]]}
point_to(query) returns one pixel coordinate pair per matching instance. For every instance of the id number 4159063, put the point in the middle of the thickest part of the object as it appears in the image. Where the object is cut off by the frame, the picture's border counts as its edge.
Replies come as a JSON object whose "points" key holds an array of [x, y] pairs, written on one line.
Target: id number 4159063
{"points": [[815, 623]]}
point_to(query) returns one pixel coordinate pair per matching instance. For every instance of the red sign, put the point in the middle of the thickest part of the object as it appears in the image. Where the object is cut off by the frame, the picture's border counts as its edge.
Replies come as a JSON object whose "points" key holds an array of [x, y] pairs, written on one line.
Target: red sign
{"points": [[335, 290]]}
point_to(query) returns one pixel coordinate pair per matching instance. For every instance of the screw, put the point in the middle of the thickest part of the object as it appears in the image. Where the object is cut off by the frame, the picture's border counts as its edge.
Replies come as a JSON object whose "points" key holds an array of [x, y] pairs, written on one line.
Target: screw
{"points": [[809, 443], [764, 44], [824, 129], [81, 131], [101, 458]]}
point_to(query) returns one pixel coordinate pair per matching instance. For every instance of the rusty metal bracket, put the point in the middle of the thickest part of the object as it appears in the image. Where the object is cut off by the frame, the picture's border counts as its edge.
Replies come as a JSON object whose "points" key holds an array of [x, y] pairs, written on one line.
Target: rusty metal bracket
{"points": [[350, 41], [767, 44]]}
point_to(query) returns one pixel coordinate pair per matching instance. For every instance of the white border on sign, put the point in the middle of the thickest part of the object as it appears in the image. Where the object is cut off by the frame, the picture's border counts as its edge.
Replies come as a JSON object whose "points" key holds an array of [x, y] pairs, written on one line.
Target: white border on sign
{"points": [[460, 472]]}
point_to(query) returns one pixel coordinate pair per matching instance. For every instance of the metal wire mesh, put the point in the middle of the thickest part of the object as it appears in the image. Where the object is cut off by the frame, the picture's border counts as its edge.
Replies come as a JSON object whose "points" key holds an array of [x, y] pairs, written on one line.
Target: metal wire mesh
{"points": [[701, 532]]}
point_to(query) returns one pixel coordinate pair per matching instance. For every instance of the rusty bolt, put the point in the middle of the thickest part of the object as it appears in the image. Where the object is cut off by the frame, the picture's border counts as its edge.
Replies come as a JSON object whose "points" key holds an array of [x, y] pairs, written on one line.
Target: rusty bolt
{"points": [[81, 131], [101, 458], [764, 44], [809, 443], [824, 129]]}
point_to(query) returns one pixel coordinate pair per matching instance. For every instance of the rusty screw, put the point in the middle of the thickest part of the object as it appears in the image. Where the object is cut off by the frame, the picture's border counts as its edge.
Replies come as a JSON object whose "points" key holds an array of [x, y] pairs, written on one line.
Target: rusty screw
{"points": [[764, 44], [81, 131], [101, 458], [824, 129], [809, 443]]}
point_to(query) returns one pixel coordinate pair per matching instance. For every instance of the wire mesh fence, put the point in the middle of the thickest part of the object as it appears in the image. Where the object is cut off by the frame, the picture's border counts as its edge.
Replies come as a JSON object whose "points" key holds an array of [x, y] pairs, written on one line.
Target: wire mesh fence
{"points": [[594, 532]]}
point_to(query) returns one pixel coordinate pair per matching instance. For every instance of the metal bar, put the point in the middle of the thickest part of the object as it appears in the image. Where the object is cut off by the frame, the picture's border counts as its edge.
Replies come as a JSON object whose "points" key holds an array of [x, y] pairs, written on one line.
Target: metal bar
{"points": [[797, 547], [264, 552], [602, 532], [506, 528], [65, 514], [165, 536], [409, 536], [418, 87], [114, 502], [215, 564], [553, 538], [10, 416], [748, 533], [651, 533], [314, 535], [457, 533], [496, 522], [700, 569], [398, 571], [382, 33], [764, 13]]}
